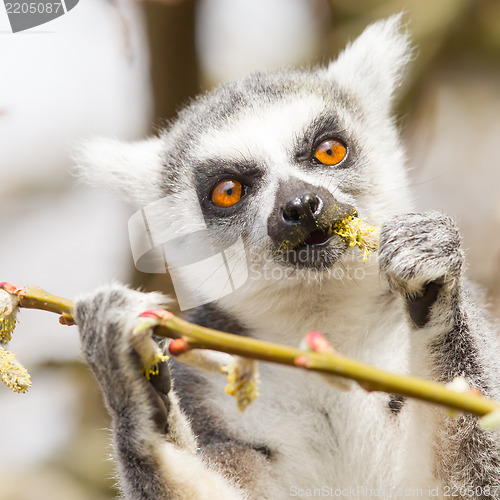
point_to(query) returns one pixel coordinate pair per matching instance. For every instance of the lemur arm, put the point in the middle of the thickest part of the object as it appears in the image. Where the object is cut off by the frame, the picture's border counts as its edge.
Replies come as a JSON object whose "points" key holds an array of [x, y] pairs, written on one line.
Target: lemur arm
{"points": [[450, 336], [155, 449]]}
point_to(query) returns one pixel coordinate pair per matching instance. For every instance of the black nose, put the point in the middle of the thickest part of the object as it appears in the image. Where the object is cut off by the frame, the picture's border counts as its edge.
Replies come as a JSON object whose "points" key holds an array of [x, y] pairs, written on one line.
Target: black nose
{"points": [[302, 209]]}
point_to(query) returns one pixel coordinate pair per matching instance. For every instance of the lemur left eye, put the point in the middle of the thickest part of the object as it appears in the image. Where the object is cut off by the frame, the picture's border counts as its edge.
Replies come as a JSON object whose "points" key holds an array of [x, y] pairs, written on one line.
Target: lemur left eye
{"points": [[330, 152], [227, 193]]}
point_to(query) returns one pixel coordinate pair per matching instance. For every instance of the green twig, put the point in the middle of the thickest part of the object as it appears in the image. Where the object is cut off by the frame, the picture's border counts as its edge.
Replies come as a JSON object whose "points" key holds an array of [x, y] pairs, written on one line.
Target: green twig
{"points": [[197, 337]]}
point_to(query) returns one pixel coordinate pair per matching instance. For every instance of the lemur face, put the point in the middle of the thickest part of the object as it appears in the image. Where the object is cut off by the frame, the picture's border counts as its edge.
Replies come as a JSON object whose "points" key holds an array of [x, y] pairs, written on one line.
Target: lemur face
{"points": [[281, 173], [281, 160]]}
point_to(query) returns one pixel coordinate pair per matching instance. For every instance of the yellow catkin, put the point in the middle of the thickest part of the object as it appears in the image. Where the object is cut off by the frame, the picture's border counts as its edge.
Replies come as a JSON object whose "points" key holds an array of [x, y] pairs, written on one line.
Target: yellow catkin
{"points": [[358, 233], [8, 312], [242, 381], [150, 366], [12, 373]]}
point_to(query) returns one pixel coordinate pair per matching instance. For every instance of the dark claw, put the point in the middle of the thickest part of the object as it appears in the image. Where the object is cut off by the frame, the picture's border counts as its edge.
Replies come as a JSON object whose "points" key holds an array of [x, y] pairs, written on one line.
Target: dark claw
{"points": [[419, 307], [159, 388]]}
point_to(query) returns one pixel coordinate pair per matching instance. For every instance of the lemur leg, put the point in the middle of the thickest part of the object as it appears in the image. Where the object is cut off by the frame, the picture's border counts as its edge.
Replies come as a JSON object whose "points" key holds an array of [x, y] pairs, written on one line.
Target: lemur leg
{"points": [[154, 447], [421, 256]]}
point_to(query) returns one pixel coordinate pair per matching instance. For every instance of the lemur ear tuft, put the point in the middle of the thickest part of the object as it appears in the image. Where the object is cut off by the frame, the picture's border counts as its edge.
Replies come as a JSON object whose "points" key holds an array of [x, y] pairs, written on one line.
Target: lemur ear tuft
{"points": [[133, 169], [372, 65]]}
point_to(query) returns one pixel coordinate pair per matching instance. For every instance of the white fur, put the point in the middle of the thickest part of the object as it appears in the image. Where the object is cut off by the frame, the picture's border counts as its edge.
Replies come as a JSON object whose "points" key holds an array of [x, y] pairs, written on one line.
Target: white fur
{"points": [[374, 74], [190, 478], [261, 132], [133, 169]]}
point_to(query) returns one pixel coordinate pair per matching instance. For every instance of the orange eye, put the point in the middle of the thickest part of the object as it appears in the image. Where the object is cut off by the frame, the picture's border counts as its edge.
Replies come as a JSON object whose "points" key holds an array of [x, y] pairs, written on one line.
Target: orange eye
{"points": [[330, 152], [227, 193]]}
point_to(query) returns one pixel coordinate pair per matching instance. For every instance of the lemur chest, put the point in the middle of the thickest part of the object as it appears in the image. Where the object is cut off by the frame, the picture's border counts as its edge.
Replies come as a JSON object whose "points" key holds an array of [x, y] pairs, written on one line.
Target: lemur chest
{"points": [[318, 435]]}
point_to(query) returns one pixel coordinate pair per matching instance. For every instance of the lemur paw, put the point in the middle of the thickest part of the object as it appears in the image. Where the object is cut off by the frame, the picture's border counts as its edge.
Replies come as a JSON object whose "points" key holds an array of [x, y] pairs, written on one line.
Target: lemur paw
{"points": [[420, 254], [107, 320]]}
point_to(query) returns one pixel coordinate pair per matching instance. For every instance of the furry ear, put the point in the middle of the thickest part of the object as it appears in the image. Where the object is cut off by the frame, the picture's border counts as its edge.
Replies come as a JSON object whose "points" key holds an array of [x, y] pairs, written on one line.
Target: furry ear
{"points": [[373, 64], [132, 168]]}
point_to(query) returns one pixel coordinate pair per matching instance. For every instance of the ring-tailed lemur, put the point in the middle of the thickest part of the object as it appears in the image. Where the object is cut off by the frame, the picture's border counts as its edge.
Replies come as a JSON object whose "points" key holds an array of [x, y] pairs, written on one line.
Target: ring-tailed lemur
{"points": [[277, 159]]}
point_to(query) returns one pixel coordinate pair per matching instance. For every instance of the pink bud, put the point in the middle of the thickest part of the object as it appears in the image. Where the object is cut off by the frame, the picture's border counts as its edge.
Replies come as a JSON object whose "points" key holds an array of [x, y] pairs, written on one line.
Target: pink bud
{"points": [[317, 342], [10, 288], [157, 314]]}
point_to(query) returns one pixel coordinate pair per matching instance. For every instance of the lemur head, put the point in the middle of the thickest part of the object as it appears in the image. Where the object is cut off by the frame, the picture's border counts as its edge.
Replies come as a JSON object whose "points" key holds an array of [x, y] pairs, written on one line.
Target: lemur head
{"points": [[278, 158]]}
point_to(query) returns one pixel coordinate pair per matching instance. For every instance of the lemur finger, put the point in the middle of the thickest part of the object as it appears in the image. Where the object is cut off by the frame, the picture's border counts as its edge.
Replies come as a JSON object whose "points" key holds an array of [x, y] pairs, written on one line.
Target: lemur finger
{"points": [[205, 359]]}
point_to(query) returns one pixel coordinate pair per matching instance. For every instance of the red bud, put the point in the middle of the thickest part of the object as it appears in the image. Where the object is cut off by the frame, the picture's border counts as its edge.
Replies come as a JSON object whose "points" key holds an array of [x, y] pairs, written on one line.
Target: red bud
{"points": [[65, 320], [178, 346], [301, 361]]}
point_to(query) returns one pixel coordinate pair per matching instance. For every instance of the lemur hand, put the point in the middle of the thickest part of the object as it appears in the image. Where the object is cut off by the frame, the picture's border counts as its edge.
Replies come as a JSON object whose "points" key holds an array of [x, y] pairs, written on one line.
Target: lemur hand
{"points": [[421, 254], [106, 321]]}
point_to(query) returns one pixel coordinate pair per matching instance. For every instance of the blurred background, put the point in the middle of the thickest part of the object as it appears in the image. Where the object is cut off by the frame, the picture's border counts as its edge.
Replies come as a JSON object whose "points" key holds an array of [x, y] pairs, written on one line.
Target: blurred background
{"points": [[122, 68]]}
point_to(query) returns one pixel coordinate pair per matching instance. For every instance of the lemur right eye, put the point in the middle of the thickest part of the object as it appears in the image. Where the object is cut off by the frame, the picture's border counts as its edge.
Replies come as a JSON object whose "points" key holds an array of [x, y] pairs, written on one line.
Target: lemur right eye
{"points": [[330, 152], [227, 193]]}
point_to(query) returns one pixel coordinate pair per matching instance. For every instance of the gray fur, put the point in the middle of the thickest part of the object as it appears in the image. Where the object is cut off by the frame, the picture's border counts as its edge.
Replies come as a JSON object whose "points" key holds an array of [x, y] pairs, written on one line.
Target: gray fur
{"points": [[411, 312], [126, 392], [422, 249]]}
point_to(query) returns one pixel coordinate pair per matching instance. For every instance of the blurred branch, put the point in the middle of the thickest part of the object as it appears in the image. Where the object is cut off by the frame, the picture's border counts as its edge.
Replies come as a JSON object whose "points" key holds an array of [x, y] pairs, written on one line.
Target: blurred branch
{"points": [[174, 64]]}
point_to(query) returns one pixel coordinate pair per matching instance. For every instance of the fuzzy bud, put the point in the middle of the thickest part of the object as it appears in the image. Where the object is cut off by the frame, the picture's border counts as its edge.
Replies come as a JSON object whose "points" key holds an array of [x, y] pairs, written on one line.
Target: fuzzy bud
{"points": [[8, 311], [242, 381], [12, 373]]}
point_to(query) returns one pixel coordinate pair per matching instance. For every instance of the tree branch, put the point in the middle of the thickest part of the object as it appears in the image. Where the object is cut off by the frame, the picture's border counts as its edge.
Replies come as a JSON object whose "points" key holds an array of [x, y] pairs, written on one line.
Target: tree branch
{"points": [[193, 336]]}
